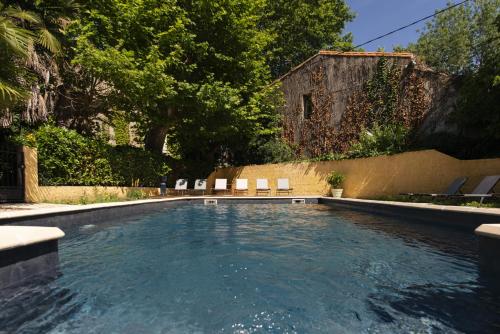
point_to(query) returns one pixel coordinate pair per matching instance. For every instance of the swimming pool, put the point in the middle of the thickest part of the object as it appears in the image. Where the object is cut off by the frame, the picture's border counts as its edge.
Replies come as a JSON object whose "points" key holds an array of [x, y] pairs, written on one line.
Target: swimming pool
{"points": [[243, 268]]}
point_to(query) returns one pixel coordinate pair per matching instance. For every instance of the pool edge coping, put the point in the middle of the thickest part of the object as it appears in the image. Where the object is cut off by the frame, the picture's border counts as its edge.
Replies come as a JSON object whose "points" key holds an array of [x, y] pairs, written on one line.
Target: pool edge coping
{"points": [[64, 209], [67, 209], [423, 206]]}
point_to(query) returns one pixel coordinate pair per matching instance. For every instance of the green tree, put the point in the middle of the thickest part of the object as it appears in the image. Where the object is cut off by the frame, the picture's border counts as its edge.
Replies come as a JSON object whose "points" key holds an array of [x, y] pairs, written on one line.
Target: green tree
{"points": [[32, 63], [195, 70], [15, 42], [300, 28], [459, 40], [465, 41]]}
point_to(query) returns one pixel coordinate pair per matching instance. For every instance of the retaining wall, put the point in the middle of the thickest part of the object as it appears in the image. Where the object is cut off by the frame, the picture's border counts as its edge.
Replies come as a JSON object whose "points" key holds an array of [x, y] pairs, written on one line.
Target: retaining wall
{"points": [[427, 171]]}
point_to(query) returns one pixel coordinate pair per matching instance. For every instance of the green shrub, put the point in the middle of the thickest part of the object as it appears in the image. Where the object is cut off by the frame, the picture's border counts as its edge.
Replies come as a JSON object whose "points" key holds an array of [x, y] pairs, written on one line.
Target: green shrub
{"points": [[137, 167], [332, 156], [135, 194], [380, 140], [68, 158], [275, 151], [335, 179]]}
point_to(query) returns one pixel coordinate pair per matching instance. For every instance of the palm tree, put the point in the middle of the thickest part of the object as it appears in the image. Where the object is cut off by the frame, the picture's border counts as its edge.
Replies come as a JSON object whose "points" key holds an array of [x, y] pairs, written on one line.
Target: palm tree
{"points": [[20, 33], [15, 42]]}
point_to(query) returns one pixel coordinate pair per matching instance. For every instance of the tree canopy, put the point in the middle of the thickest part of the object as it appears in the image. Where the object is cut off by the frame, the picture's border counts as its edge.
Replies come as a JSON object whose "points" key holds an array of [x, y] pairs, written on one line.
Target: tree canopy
{"points": [[195, 73], [299, 28], [465, 42]]}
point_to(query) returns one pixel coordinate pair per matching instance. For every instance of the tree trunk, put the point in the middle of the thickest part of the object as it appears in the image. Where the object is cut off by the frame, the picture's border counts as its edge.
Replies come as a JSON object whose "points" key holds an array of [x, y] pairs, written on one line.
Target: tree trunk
{"points": [[155, 138]]}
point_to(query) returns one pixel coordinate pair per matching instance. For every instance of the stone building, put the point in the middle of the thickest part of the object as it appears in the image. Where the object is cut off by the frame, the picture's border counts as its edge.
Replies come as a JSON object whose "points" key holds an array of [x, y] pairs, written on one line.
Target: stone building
{"points": [[332, 84]]}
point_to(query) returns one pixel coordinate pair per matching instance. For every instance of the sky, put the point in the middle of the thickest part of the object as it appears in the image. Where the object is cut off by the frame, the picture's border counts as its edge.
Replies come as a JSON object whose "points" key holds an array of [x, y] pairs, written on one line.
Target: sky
{"points": [[377, 17]]}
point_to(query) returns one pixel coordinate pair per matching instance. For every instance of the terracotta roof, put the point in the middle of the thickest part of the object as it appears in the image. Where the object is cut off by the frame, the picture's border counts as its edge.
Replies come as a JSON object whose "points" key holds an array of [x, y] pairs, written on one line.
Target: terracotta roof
{"points": [[349, 54], [366, 54]]}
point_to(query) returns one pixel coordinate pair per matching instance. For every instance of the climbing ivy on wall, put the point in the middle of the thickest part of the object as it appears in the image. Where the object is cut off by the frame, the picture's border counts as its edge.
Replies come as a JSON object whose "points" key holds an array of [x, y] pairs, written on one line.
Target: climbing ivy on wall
{"points": [[382, 91], [391, 97], [121, 127]]}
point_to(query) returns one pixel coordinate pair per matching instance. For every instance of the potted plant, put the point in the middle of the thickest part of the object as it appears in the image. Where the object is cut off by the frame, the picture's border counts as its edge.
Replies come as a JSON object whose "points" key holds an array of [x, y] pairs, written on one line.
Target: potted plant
{"points": [[335, 180]]}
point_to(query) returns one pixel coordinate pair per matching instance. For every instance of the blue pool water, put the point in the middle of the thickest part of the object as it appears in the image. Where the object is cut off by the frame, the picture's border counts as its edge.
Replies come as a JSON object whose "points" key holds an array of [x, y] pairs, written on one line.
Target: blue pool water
{"points": [[259, 269]]}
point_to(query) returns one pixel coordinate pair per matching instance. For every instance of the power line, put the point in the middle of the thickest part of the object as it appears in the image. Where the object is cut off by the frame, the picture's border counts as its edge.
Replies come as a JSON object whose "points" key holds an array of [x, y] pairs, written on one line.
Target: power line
{"points": [[411, 24], [378, 37]]}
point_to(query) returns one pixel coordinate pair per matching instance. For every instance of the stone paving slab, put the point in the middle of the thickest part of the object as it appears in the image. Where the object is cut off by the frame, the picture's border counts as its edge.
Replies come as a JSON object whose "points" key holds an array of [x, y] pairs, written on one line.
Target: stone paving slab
{"points": [[20, 236], [449, 208]]}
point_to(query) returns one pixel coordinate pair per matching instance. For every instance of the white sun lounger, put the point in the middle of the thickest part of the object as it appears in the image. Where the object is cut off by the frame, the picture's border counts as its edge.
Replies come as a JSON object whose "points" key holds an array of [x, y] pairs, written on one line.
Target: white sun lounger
{"points": [[181, 186], [283, 186], [262, 187], [220, 185], [200, 185], [241, 186]]}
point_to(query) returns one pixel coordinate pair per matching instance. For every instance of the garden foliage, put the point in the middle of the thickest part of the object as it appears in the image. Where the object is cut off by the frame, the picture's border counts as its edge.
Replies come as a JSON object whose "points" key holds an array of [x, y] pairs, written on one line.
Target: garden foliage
{"points": [[380, 140], [465, 42], [68, 158], [335, 179]]}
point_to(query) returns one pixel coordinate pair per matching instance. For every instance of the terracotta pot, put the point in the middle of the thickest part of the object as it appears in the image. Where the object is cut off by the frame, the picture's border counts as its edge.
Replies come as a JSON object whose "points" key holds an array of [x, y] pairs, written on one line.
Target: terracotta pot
{"points": [[337, 193]]}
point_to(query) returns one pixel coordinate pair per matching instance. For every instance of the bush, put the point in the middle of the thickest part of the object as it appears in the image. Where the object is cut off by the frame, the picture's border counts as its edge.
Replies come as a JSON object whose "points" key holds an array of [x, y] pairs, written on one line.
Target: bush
{"points": [[275, 151], [335, 179], [332, 156], [68, 158], [381, 140]]}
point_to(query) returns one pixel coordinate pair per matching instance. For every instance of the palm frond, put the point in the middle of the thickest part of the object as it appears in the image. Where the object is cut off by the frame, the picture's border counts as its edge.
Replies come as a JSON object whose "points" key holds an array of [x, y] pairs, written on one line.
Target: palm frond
{"points": [[23, 15], [49, 41], [17, 39], [10, 94]]}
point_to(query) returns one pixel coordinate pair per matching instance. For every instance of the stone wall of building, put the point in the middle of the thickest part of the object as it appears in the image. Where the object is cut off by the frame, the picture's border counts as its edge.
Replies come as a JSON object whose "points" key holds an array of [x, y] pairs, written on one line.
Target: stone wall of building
{"points": [[346, 74]]}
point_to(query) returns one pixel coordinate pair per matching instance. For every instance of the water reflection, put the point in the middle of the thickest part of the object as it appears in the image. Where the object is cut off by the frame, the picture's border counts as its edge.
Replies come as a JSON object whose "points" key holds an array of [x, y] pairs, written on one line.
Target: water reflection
{"points": [[273, 268], [469, 306]]}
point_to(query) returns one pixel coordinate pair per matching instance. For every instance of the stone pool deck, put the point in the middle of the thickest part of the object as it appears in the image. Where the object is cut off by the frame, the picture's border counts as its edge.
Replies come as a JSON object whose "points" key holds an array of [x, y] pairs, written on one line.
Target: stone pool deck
{"points": [[26, 210], [449, 208], [10, 212]]}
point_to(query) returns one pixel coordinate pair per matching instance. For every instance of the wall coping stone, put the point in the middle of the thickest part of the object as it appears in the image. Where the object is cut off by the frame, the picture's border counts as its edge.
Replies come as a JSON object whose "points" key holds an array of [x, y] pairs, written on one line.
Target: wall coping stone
{"points": [[21, 236], [489, 230]]}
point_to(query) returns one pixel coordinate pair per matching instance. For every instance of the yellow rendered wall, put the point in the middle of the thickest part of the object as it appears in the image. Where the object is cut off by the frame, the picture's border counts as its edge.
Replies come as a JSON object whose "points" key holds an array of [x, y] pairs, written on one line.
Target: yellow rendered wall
{"points": [[30, 174], [61, 194], [35, 193], [426, 171]]}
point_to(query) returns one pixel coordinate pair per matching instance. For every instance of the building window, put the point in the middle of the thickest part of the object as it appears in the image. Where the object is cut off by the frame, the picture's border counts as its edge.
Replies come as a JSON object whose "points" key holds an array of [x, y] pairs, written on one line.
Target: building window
{"points": [[307, 105]]}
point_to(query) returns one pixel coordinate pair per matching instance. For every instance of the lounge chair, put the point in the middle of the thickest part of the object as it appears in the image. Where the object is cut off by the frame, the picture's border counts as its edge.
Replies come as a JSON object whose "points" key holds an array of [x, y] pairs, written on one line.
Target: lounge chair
{"points": [[283, 186], [220, 185], [200, 185], [484, 188], [262, 187], [453, 189], [241, 186], [181, 186]]}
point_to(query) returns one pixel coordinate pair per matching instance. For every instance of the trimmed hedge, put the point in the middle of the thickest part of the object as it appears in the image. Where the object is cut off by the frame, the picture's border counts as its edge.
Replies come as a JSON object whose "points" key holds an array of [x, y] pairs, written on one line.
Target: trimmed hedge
{"points": [[67, 158]]}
